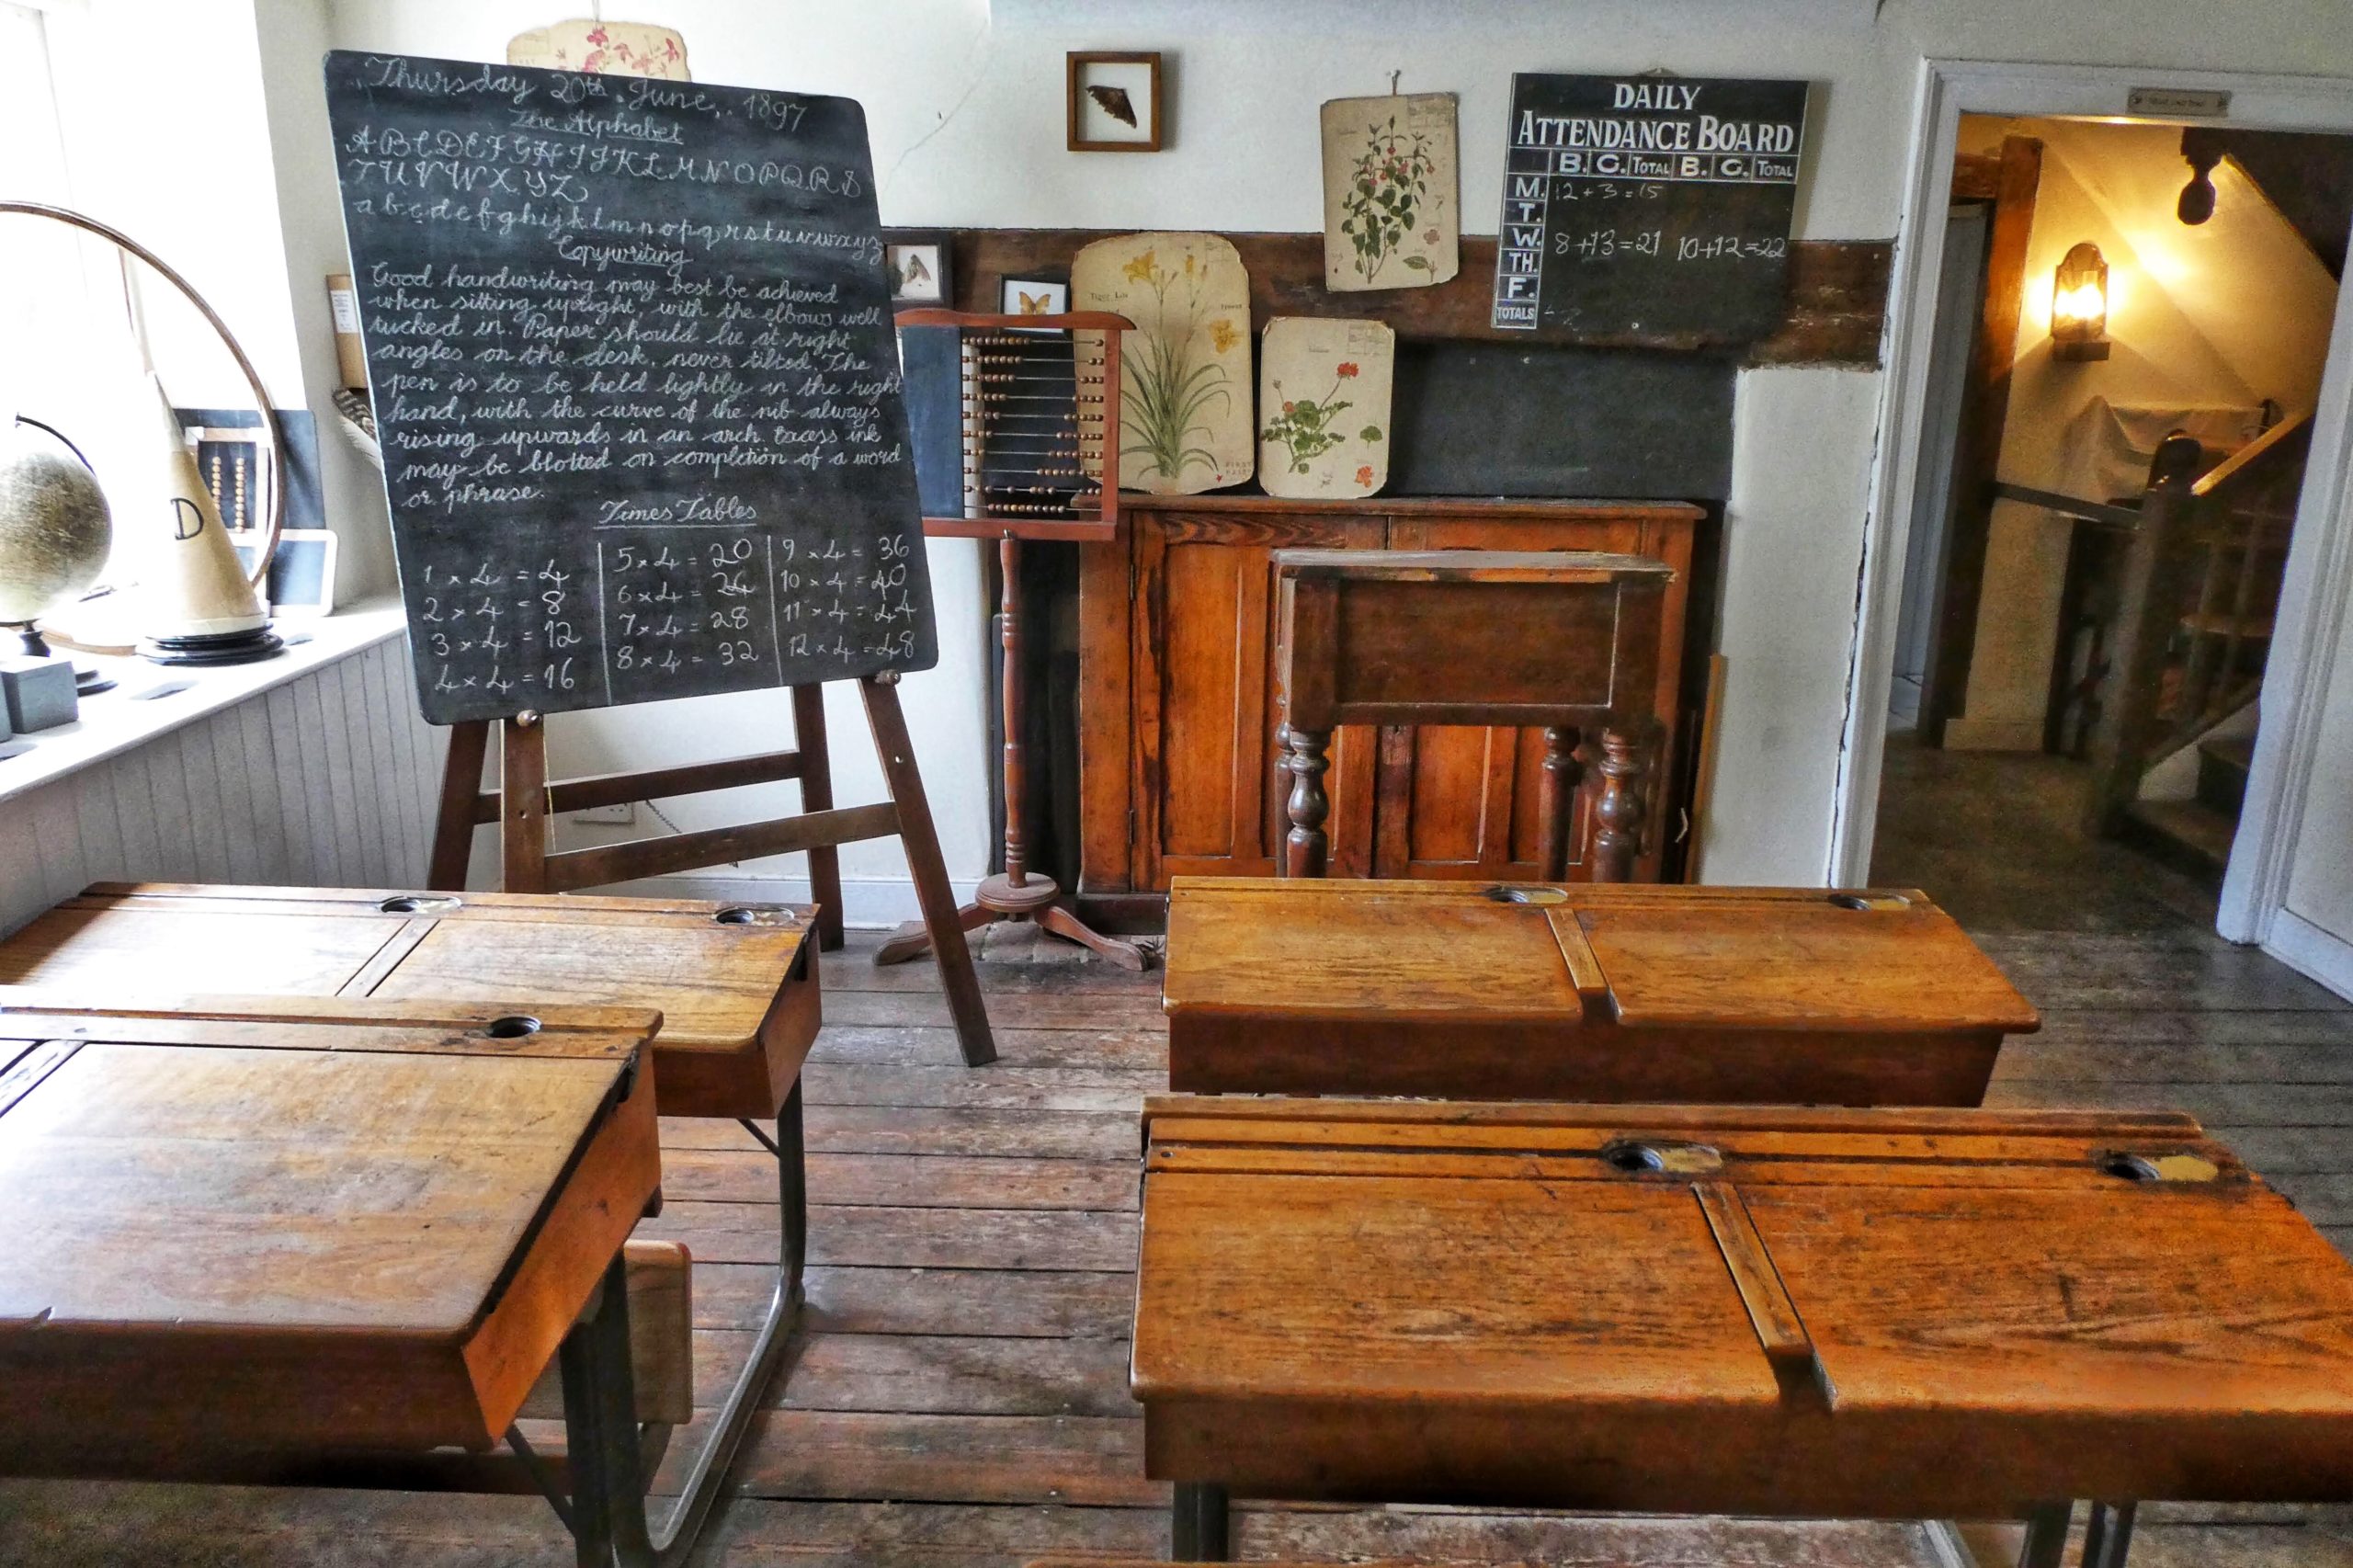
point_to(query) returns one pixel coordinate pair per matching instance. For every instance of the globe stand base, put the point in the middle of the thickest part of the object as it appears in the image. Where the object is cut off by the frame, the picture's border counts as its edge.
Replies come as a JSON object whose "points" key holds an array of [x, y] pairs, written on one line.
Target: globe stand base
{"points": [[219, 648], [88, 682]]}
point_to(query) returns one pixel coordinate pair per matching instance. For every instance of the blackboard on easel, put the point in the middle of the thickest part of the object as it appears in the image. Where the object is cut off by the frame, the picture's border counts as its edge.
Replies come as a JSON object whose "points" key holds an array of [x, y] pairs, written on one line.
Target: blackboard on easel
{"points": [[636, 384], [1648, 205], [638, 396]]}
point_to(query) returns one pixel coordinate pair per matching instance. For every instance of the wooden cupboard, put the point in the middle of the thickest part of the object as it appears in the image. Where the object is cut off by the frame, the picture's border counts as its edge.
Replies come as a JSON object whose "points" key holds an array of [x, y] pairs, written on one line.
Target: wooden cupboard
{"points": [[1178, 703]]}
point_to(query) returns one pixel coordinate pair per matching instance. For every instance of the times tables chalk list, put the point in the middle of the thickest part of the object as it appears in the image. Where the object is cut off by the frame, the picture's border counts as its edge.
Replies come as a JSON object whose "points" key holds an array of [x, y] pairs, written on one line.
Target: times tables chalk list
{"points": [[635, 380], [1651, 206]]}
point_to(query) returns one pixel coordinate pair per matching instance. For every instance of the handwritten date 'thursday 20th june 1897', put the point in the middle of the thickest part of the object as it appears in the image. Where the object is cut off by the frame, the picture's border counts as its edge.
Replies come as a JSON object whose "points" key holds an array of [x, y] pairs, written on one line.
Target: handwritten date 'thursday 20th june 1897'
{"points": [[634, 372]]}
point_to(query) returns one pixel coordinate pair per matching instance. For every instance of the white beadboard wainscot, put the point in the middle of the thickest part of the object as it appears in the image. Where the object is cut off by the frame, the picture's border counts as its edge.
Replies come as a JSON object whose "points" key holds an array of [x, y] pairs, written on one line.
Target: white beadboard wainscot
{"points": [[315, 772]]}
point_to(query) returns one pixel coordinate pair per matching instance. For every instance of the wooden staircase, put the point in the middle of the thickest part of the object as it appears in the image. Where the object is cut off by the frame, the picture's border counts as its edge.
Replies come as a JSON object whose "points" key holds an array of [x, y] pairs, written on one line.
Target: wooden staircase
{"points": [[2200, 583]]}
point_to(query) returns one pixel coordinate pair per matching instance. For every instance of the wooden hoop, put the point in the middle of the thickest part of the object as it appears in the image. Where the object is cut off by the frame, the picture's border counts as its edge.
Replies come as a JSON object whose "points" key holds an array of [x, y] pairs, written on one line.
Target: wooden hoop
{"points": [[123, 241]]}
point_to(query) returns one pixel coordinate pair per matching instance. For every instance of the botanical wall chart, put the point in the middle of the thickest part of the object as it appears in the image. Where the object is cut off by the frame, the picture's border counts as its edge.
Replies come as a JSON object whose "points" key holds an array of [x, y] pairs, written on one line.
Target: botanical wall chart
{"points": [[1184, 423], [1390, 217], [614, 49], [1324, 406]]}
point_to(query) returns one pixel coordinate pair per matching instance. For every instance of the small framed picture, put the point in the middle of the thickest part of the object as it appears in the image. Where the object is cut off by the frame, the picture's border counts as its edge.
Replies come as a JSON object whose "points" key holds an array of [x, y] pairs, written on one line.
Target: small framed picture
{"points": [[919, 265], [1114, 102], [1032, 297]]}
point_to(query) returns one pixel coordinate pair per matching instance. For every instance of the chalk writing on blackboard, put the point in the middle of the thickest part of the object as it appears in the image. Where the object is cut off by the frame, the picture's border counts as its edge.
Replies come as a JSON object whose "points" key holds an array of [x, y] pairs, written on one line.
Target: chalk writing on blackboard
{"points": [[636, 384], [1651, 206]]}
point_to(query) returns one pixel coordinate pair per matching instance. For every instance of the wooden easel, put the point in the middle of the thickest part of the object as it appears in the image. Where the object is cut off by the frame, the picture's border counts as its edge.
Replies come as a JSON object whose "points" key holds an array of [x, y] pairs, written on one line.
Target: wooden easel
{"points": [[525, 801]]}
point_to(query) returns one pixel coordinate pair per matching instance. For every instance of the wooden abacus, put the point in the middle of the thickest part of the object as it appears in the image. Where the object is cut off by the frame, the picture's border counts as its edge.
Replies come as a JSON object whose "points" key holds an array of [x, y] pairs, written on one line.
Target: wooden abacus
{"points": [[1046, 471], [1039, 427]]}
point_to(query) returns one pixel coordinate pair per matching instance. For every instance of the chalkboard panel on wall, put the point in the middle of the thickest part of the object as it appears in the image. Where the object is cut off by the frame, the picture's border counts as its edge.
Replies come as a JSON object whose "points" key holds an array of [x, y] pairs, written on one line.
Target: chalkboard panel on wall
{"points": [[1507, 419], [1648, 204], [633, 368]]}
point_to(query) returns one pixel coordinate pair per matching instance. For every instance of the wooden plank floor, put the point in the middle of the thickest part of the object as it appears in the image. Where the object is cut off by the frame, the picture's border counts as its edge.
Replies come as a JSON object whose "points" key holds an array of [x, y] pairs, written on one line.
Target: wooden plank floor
{"points": [[958, 1397]]}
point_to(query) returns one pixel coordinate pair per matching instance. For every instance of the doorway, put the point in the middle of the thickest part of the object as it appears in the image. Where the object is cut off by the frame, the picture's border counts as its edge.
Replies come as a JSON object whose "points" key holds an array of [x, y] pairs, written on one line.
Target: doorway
{"points": [[2065, 713]]}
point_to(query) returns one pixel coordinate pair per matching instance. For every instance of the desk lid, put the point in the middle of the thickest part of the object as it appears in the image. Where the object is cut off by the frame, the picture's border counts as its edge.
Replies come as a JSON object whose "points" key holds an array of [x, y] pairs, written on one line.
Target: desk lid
{"points": [[1762, 959], [2050, 1265], [712, 970]]}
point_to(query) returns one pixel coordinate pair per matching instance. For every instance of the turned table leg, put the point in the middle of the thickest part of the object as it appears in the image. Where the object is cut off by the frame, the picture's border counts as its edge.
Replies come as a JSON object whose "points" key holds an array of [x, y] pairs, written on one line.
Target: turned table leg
{"points": [[1618, 814], [1555, 802], [1305, 848]]}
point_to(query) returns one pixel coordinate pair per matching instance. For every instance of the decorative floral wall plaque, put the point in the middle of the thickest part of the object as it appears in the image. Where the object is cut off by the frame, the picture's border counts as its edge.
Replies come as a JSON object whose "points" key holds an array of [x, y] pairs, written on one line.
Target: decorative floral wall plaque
{"points": [[1185, 422], [1324, 406], [1392, 219], [614, 49]]}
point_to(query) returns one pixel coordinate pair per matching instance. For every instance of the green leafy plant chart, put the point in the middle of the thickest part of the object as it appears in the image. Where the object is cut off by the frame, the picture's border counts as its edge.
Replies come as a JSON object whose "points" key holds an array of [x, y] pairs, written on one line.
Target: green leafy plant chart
{"points": [[1166, 396], [1386, 184]]}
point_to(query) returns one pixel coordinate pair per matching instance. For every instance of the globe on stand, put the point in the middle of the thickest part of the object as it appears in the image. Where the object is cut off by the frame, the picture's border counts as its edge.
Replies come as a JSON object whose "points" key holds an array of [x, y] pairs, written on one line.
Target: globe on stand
{"points": [[55, 533]]}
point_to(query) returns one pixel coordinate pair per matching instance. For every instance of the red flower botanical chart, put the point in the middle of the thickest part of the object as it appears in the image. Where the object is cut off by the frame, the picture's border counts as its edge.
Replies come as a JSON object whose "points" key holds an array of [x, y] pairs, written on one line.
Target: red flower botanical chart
{"points": [[1324, 406]]}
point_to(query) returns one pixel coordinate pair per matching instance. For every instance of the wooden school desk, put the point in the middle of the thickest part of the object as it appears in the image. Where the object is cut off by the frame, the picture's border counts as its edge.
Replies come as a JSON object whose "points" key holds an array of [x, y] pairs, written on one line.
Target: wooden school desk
{"points": [[1902, 1314], [1477, 991], [265, 1233], [736, 987]]}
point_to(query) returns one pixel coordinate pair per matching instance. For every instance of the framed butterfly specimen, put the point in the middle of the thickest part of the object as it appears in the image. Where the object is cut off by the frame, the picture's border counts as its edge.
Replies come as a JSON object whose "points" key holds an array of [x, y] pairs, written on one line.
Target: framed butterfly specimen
{"points": [[1114, 102], [1032, 297]]}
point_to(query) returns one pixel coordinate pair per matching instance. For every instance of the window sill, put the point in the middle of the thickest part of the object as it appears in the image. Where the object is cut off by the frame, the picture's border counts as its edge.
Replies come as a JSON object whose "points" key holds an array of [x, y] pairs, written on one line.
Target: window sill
{"points": [[116, 721]]}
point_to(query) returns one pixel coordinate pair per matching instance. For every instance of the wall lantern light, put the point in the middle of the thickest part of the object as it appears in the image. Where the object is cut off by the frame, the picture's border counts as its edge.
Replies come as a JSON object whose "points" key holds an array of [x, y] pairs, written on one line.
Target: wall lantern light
{"points": [[2079, 306]]}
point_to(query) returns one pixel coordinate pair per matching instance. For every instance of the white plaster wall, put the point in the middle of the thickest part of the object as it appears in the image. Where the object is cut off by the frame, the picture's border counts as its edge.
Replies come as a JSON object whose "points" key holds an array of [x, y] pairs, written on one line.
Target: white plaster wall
{"points": [[1794, 528], [2319, 889], [965, 105]]}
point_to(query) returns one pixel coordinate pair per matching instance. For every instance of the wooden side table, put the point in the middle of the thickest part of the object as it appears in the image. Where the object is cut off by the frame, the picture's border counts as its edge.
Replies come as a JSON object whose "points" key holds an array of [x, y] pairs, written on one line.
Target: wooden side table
{"points": [[1566, 640], [1726, 1310], [267, 1231], [735, 984]]}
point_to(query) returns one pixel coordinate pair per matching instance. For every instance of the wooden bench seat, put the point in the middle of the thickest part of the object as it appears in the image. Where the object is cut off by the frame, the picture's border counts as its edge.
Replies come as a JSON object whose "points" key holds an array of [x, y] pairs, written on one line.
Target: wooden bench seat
{"points": [[661, 1340]]}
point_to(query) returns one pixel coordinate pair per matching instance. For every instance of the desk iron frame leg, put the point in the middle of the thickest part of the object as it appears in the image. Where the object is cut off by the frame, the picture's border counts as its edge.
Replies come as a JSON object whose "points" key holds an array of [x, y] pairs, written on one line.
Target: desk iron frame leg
{"points": [[608, 1462], [2108, 1535], [1200, 1527], [2046, 1536], [608, 1514]]}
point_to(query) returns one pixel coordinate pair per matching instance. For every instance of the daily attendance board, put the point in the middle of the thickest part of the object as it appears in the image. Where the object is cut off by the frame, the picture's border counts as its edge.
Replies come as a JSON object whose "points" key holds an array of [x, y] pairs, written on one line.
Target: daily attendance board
{"points": [[1648, 206]]}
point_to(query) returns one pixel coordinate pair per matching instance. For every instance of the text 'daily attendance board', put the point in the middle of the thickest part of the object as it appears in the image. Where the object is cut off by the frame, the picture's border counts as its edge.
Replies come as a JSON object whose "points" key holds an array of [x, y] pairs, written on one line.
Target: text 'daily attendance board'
{"points": [[1650, 205], [631, 349]]}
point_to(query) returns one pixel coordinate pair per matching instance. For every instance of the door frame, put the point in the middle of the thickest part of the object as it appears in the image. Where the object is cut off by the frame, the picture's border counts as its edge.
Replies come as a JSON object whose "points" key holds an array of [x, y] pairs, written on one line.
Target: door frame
{"points": [[2320, 561]]}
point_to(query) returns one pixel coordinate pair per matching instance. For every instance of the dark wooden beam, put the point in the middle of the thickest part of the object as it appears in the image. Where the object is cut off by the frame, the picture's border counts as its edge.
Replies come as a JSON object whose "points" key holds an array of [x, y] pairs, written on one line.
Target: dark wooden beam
{"points": [[1838, 301]]}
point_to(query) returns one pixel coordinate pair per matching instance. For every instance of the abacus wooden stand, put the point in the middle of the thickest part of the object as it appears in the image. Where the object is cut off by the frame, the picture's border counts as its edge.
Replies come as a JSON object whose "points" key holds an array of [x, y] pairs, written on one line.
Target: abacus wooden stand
{"points": [[525, 802], [1017, 893]]}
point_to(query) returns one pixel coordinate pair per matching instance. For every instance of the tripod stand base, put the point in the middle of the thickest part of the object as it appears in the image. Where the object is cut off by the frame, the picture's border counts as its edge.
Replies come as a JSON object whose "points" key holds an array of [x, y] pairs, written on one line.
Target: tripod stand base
{"points": [[1036, 899]]}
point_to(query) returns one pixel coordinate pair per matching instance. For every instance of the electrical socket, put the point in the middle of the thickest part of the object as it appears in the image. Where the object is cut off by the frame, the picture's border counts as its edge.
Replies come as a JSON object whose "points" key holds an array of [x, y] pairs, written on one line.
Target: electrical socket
{"points": [[622, 815]]}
